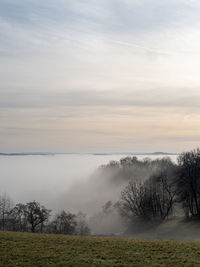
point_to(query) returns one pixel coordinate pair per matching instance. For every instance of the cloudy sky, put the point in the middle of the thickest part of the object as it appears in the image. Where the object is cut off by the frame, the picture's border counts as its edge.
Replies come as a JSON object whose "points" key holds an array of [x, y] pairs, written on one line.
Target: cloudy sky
{"points": [[99, 76]]}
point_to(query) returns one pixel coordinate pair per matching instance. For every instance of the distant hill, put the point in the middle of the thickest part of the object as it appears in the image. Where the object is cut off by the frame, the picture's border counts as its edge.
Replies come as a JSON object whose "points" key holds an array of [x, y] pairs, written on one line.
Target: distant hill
{"points": [[95, 154], [163, 153], [27, 154]]}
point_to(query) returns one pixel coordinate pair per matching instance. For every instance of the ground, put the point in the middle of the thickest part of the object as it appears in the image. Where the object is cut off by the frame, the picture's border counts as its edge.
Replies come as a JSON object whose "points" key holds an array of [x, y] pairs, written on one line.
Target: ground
{"points": [[25, 249]]}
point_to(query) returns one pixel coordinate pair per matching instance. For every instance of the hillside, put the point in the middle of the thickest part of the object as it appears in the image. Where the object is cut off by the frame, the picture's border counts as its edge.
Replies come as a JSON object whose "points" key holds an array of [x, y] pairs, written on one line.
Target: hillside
{"points": [[176, 228], [24, 249]]}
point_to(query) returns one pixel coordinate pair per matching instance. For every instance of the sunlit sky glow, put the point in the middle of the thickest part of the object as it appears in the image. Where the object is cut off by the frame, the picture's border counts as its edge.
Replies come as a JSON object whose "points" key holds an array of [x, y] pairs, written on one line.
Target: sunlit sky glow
{"points": [[99, 76]]}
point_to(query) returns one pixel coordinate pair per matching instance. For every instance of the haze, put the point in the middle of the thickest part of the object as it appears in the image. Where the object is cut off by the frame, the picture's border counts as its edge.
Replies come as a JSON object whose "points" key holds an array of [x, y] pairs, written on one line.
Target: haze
{"points": [[59, 181]]}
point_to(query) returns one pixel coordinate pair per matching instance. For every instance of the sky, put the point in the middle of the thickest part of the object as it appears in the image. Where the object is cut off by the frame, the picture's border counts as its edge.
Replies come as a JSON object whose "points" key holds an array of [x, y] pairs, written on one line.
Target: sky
{"points": [[99, 76]]}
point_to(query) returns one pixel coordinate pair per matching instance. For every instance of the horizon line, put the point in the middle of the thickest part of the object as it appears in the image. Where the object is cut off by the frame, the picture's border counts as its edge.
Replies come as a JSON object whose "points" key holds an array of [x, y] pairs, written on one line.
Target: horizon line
{"points": [[85, 153]]}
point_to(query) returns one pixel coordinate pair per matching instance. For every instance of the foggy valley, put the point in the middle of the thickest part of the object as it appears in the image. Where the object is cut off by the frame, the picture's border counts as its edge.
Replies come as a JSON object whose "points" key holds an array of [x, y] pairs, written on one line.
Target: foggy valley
{"points": [[91, 184], [54, 179]]}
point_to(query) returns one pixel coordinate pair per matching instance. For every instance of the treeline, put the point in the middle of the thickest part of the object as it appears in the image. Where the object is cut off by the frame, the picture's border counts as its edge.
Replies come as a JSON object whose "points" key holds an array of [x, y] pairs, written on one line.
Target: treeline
{"points": [[171, 189], [33, 217]]}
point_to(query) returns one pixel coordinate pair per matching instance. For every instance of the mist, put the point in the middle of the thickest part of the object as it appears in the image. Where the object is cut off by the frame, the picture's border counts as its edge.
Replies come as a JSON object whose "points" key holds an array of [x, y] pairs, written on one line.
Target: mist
{"points": [[91, 184], [47, 177], [59, 181], [72, 182]]}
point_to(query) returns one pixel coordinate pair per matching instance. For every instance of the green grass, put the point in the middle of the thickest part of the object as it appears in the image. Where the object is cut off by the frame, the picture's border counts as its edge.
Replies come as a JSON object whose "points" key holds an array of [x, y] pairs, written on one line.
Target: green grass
{"points": [[23, 249]]}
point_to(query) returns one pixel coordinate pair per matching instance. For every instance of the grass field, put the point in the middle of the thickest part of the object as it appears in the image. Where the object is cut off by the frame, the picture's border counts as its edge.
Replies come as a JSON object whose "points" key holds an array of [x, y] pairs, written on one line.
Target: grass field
{"points": [[22, 249]]}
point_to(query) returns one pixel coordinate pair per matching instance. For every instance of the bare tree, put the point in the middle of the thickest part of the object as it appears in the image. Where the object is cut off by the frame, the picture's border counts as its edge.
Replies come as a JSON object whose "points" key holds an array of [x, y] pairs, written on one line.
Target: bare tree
{"points": [[6, 205], [152, 200], [63, 223], [18, 218], [134, 200], [188, 182], [162, 195], [36, 215], [82, 227]]}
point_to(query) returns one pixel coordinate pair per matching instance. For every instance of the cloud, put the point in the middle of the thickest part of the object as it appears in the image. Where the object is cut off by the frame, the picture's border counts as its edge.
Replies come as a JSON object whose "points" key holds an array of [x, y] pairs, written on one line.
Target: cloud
{"points": [[153, 98], [86, 70]]}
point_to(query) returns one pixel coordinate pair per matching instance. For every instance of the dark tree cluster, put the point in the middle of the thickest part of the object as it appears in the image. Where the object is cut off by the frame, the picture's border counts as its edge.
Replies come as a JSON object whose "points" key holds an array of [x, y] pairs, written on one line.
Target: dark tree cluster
{"points": [[33, 217], [69, 224], [188, 182], [150, 200], [130, 168], [171, 185]]}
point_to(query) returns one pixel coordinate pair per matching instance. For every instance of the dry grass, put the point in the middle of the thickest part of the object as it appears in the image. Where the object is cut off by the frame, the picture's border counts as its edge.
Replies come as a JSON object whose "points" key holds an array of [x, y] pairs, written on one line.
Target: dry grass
{"points": [[24, 249]]}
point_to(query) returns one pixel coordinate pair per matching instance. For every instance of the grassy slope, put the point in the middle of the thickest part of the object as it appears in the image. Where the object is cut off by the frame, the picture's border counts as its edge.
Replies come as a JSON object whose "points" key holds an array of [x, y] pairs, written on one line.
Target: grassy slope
{"points": [[22, 249]]}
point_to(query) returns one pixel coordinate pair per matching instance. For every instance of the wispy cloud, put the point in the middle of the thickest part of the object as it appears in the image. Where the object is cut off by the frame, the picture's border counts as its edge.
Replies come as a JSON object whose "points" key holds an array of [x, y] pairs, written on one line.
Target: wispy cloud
{"points": [[97, 66], [154, 98]]}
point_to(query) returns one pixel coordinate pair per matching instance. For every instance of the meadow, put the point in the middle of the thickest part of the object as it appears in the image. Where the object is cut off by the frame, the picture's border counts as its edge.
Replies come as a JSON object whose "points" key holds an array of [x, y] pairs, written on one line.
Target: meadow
{"points": [[26, 249]]}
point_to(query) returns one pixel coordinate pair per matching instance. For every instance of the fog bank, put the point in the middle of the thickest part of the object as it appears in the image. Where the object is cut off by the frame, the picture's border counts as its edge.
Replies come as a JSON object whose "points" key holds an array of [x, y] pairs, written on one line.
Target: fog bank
{"points": [[50, 179]]}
